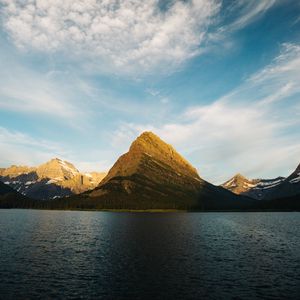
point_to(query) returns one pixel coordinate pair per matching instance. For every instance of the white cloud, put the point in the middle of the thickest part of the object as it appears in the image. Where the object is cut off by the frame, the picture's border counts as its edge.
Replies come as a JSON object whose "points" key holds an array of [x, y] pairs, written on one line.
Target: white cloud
{"points": [[245, 131], [33, 95], [236, 16], [34, 91], [287, 64], [249, 11], [122, 35], [279, 81], [20, 148]]}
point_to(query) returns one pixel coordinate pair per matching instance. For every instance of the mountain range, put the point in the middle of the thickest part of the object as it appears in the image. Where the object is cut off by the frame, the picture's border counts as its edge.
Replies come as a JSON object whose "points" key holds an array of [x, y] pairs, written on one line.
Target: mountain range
{"points": [[265, 189], [151, 175], [53, 179]]}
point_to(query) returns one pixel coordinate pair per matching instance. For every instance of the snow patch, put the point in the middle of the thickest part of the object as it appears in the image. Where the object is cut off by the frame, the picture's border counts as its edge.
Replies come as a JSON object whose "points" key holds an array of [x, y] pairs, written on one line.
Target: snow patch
{"points": [[295, 180], [249, 185], [269, 183], [229, 182], [54, 180], [67, 168]]}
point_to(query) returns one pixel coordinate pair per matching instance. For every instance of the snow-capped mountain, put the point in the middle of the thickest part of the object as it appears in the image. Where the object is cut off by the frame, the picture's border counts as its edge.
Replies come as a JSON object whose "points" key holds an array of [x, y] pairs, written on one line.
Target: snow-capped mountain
{"points": [[239, 184], [55, 178], [261, 189]]}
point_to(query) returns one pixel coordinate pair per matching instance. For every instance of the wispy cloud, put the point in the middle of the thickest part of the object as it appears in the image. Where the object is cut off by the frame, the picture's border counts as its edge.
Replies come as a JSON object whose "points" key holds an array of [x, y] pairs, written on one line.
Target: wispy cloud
{"points": [[17, 147], [248, 11], [20, 148], [277, 82], [27, 90], [63, 94], [245, 131], [236, 16]]}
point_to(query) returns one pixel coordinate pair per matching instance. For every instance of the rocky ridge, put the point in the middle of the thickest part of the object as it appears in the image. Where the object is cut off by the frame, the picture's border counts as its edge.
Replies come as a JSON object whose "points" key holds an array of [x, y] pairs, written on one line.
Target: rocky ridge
{"points": [[53, 179], [265, 189]]}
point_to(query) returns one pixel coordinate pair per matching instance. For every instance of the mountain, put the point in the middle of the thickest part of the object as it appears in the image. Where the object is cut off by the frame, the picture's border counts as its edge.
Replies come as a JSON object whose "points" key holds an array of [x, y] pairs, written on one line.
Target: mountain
{"points": [[55, 178], [5, 189], [265, 189], [152, 175], [239, 184], [289, 187], [10, 198], [254, 188]]}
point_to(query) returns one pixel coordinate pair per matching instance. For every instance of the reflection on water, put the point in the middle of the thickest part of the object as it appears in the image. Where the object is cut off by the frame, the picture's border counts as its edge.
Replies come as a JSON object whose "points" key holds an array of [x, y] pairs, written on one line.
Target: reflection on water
{"points": [[59, 254]]}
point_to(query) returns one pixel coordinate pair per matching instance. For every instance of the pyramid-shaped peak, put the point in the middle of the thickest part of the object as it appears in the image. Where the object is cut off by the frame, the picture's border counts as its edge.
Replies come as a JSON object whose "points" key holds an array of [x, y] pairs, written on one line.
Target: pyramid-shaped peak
{"points": [[147, 134], [149, 142], [236, 180], [147, 137], [152, 145], [148, 152]]}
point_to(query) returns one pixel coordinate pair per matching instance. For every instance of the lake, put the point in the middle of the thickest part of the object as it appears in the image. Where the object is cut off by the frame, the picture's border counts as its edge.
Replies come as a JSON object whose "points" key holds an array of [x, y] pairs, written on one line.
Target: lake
{"points": [[106, 255]]}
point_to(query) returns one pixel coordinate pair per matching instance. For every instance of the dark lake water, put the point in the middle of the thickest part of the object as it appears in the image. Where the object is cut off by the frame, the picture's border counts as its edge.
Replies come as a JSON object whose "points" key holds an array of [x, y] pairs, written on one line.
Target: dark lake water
{"points": [[102, 255]]}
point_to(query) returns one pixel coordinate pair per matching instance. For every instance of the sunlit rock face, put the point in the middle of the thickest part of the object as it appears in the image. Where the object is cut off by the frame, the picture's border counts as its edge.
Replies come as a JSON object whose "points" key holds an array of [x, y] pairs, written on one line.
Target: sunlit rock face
{"points": [[150, 156], [153, 175], [53, 179], [265, 189]]}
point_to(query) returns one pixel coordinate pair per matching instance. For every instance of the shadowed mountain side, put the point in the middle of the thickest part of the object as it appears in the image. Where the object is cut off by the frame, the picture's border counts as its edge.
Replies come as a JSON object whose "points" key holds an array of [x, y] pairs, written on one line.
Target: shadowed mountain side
{"points": [[9, 198], [5, 189], [281, 204], [52, 190], [265, 189], [289, 188]]}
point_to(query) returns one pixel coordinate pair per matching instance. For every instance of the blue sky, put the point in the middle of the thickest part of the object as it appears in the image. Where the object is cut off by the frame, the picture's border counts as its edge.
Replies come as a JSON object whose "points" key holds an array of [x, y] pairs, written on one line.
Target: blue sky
{"points": [[219, 80]]}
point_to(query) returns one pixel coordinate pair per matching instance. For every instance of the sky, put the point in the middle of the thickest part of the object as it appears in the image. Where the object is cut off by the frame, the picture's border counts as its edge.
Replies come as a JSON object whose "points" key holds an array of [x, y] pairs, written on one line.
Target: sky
{"points": [[219, 80]]}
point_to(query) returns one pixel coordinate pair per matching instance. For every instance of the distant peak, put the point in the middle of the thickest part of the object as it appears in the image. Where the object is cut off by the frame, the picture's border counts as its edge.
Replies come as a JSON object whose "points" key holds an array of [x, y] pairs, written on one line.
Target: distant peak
{"points": [[53, 160], [236, 180], [240, 176], [59, 163]]}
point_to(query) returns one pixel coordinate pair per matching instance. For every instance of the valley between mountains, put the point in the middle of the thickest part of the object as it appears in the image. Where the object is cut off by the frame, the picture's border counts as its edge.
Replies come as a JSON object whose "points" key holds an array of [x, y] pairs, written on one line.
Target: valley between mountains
{"points": [[150, 176]]}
